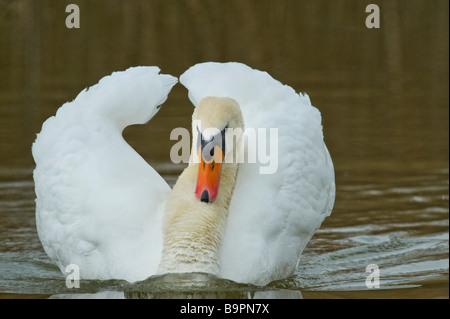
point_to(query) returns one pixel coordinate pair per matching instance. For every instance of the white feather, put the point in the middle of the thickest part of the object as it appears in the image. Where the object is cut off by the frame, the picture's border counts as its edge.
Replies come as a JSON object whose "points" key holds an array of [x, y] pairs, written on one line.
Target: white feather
{"points": [[272, 216], [99, 204]]}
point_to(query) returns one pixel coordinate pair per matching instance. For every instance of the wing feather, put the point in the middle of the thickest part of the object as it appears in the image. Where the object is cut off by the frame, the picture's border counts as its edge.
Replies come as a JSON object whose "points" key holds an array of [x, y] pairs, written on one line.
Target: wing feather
{"points": [[272, 216], [99, 203]]}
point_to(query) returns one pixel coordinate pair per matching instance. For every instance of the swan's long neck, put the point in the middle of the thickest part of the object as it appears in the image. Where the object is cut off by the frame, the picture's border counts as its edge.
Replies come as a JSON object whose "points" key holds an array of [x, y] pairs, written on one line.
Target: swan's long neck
{"points": [[193, 229]]}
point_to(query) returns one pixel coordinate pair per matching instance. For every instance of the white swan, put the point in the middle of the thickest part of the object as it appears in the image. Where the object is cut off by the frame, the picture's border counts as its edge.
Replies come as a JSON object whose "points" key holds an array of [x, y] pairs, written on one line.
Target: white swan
{"points": [[101, 206]]}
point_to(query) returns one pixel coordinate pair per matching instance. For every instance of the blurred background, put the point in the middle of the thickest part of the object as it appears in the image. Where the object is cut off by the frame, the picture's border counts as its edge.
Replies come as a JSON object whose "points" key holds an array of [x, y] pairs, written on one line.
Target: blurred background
{"points": [[383, 94]]}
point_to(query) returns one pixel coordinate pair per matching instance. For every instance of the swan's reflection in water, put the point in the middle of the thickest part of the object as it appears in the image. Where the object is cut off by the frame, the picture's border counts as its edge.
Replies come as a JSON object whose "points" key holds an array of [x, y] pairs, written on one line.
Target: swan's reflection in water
{"points": [[189, 286], [201, 286]]}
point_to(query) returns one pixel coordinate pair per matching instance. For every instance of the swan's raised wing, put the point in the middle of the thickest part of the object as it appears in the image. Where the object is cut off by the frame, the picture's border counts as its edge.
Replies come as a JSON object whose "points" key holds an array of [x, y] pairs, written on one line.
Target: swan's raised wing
{"points": [[99, 204], [273, 215]]}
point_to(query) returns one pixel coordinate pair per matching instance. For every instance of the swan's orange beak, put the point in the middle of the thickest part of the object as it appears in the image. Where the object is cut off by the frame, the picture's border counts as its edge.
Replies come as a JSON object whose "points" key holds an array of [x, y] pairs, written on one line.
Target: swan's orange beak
{"points": [[208, 178]]}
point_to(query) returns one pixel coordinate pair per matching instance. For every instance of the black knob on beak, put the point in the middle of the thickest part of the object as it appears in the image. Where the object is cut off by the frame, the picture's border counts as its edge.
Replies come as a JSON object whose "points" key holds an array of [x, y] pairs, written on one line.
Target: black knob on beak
{"points": [[205, 196]]}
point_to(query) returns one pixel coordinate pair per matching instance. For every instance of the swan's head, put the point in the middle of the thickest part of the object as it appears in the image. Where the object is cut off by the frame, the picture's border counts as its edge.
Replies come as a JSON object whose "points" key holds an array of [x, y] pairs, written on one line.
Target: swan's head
{"points": [[217, 126]]}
